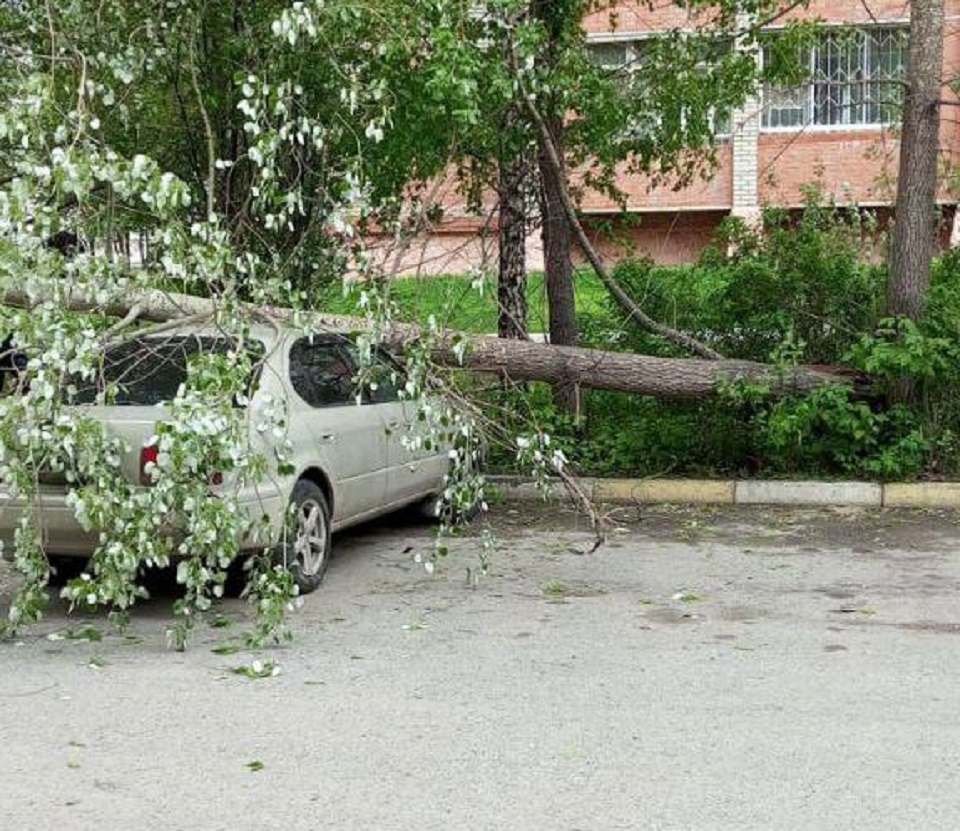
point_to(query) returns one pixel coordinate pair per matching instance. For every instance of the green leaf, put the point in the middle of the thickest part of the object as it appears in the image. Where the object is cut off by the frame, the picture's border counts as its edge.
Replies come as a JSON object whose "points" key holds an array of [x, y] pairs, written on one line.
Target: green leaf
{"points": [[85, 633], [257, 670]]}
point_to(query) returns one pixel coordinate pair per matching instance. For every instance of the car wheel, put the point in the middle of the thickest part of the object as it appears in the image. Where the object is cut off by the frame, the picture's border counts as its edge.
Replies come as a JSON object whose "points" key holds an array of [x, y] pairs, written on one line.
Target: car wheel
{"points": [[427, 509], [63, 569], [305, 548]]}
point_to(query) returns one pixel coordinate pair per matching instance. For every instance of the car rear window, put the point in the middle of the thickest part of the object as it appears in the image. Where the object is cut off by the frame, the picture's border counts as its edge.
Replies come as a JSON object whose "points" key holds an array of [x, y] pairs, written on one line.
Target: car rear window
{"points": [[149, 371]]}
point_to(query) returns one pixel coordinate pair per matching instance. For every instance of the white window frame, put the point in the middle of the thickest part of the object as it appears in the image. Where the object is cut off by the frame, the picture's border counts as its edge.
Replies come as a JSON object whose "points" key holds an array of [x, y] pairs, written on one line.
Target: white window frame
{"points": [[806, 92], [632, 54]]}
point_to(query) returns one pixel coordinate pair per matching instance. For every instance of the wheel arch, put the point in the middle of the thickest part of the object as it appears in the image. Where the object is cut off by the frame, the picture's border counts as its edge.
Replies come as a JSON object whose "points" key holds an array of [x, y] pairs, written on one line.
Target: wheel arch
{"points": [[322, 481]]}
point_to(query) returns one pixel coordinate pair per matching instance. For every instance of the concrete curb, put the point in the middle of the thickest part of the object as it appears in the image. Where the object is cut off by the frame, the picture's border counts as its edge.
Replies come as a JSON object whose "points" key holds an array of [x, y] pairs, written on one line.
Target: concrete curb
{"points": [[761, 492], [693, 491], [748, 492], [922, 495]]}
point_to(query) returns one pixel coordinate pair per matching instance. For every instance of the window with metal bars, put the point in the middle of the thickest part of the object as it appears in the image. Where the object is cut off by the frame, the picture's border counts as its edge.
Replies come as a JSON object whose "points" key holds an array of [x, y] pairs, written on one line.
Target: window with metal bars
{"points": [[855, 79]]}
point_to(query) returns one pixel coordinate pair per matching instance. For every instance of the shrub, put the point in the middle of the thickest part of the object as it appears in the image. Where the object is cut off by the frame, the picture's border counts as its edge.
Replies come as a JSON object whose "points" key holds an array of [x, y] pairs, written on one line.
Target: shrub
{"points": [[800, 279], [829, 433], [800, 290]]}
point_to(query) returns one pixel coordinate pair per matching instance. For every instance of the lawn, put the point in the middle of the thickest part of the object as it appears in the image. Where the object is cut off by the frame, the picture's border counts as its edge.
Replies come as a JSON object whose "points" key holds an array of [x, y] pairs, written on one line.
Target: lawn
{"points": [[457, 304]]}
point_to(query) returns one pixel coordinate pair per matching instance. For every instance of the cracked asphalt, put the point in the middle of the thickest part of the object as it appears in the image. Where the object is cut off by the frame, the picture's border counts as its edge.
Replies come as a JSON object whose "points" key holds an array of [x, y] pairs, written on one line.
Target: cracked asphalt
{"points": [[720, 668]]}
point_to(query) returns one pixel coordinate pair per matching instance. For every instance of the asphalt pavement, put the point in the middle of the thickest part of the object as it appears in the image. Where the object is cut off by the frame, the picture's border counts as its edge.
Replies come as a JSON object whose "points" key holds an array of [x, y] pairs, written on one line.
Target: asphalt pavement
{"points": [[720, 668]]}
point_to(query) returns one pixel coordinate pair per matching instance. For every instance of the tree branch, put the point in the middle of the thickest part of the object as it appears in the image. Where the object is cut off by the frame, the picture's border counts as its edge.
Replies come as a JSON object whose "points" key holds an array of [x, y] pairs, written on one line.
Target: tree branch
{"points": [[675, 336], [665, 378], [211, 182]]}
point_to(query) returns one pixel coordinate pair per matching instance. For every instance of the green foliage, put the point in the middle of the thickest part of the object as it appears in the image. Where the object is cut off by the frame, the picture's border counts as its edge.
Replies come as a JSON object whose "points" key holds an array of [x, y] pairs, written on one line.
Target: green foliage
{"points": [[829, 433], [798, 291], [468, 304], [623, 435], [799, 279], [899, 347], [928, 359], [743, 433]]}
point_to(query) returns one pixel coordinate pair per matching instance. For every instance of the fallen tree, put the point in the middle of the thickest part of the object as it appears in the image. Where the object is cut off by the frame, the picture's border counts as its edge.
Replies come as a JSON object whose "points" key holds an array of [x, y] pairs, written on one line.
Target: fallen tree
{"points": [[666, 378]]}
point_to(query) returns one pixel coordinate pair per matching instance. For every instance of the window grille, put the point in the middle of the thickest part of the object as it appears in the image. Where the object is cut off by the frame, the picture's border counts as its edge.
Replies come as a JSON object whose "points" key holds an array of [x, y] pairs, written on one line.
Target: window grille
{"points": [[855, 78]]}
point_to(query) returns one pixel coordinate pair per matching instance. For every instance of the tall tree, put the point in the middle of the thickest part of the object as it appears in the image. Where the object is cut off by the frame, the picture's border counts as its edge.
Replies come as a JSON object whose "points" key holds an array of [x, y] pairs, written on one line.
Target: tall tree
{"points": [[514, 174], [595, 123], [914, 234], [558, 18]]}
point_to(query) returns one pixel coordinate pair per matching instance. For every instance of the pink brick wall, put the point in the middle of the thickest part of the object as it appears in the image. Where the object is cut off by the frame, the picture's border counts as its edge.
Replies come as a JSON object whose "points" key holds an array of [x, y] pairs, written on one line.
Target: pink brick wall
{"points": [[849, 164], [668, 237], [637, 16], [713, 192], [858, 164]]}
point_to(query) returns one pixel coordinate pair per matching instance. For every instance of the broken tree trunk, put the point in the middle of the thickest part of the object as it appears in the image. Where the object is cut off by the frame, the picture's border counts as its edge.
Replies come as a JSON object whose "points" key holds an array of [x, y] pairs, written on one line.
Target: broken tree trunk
{"points": [[667, 378]]}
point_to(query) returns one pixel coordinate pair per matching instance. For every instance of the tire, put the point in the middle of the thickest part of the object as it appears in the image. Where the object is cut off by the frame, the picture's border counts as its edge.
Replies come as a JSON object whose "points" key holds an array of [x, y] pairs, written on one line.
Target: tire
{"points": [[305, 548], [427, 509], [63, 569]]}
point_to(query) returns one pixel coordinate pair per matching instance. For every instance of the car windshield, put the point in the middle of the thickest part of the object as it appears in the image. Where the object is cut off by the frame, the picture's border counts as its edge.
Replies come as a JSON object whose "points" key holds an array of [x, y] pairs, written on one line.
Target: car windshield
{"points": [[149, 371]]}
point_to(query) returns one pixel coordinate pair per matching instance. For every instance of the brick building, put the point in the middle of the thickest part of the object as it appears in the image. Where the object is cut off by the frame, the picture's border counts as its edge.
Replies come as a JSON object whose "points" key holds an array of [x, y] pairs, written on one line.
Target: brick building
{"points": [[838, 130]]}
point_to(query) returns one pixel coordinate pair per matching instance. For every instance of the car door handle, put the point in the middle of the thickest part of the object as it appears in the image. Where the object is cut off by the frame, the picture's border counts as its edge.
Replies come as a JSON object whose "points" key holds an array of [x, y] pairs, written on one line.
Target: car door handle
{"points": [[328, 438]]}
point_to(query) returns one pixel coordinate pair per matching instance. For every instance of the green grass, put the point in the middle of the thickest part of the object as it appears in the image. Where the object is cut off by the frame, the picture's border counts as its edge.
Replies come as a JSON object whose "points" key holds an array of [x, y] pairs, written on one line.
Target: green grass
{"points": [[456, 304]]}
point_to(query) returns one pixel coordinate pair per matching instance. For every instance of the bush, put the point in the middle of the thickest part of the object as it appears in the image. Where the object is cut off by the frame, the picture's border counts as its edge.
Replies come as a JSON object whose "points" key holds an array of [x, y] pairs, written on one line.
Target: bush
{"points": [[742, 433], [801, 280], [799, 291], [828, 433], [625, 435]]}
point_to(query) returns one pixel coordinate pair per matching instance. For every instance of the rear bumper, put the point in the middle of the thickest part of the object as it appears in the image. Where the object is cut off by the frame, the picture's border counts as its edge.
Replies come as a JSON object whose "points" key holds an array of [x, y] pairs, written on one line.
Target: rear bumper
{"points": [[62, 535]]}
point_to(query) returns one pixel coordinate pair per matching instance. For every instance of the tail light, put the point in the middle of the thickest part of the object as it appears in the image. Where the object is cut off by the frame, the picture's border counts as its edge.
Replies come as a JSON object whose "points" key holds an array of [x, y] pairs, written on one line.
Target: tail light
{"points": [[148, 455]]}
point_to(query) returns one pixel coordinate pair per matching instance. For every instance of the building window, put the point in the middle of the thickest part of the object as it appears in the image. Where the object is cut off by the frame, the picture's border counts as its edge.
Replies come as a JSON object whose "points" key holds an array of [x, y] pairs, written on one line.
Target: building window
{"points": [[855, 79], [614, 56], [632, 59]]}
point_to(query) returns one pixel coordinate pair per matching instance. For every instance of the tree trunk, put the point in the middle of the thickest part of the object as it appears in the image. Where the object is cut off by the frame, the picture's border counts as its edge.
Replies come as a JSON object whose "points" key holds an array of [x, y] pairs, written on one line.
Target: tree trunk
{"points": [[668, 378], [634, 312], [677, 379], [557, 17], [512, 278], [558, 267], [914, 233]]}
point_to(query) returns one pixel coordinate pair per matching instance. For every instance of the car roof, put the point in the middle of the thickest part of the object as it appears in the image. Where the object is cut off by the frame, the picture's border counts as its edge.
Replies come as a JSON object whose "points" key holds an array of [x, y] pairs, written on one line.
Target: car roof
{"points": [[258, 331]]}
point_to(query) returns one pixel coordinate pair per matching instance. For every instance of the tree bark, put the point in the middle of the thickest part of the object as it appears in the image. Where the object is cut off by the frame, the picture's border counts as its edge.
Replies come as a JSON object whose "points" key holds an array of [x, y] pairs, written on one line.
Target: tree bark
{"points": [[676, 379], [512, 278], [558, 268], [557, 236], [557, 242], [667, 378], [914, 233]]}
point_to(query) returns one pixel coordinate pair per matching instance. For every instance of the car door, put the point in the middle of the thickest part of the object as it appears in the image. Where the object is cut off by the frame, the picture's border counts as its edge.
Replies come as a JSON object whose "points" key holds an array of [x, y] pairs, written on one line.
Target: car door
{"points": [[412, 471], [345, 439]]}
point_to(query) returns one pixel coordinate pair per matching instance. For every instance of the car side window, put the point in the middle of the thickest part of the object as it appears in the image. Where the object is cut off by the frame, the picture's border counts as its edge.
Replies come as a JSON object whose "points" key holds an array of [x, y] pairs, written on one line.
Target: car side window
{"points": [[387, 375], [322, 373]]}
